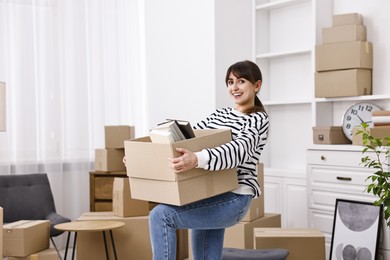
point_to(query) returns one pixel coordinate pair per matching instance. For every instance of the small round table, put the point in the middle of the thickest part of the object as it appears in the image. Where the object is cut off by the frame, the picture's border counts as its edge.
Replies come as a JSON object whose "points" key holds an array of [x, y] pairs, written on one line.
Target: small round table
{"points": [[90, 226]]}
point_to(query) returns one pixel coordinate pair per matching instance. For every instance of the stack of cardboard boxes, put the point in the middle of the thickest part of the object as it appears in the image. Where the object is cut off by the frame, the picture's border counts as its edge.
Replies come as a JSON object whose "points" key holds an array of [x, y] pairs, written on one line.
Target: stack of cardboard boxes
{"points": [[131, 241], [27, 240], [108, 165], [343, 68], [344, 60], [110, 158]]}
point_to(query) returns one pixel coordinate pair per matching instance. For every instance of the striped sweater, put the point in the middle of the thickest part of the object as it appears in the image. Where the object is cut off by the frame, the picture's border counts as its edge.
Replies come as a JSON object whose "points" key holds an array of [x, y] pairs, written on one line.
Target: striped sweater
{"points": [[249, 135]]}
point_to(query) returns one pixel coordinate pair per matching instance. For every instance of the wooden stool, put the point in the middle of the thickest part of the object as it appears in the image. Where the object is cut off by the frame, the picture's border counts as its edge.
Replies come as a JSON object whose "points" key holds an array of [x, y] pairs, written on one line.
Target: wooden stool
{"points": [[254, 254], [89, 226]]}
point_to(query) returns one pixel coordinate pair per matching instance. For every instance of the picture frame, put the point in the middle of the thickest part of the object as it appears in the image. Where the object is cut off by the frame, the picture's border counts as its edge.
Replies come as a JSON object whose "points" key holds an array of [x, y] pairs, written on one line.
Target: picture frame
{"points": [[356, 227]]}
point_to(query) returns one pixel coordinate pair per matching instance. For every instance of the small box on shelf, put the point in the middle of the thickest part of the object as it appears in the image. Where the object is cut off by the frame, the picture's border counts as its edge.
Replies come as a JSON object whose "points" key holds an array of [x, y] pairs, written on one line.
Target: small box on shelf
{"points": [[329, 135]]}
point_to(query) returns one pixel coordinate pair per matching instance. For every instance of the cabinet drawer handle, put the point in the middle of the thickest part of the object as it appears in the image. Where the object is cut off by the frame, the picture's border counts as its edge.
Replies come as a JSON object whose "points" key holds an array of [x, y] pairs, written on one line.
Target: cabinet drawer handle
{"points": [[322, 158], [344, 178]]}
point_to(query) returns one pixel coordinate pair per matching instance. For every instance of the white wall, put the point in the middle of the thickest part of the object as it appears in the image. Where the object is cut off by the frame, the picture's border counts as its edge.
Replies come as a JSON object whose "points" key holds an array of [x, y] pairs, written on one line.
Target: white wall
{"points": [[376, 19], [189, 46], [179, 59]]}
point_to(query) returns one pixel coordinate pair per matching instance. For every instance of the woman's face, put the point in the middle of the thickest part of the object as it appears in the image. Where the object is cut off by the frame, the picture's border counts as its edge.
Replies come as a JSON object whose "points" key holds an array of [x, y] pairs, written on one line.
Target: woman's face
{"points": [[242, 91]]}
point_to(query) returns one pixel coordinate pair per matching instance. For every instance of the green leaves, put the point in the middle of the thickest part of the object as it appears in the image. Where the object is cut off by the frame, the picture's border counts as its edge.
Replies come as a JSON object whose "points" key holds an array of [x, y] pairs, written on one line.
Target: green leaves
{"points": [[377, 158]]}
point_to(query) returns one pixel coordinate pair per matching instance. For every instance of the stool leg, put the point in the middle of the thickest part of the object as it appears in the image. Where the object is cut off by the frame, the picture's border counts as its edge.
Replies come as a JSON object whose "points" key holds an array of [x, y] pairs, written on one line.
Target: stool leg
{"points": [[67, 245], [105, 245], [113, 245], [74, 245]]}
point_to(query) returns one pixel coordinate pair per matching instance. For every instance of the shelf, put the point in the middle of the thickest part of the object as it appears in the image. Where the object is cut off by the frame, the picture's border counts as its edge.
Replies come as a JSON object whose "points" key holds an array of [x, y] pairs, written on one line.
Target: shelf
{"points": [[336, 147], [287, 102], [357, 98], [279, 4], [282, 54]]}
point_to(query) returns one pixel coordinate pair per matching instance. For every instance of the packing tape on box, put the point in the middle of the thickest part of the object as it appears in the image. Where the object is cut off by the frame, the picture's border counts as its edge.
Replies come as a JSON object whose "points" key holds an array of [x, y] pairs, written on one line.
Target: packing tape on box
{"points": [[18, 224], [367, 47]]}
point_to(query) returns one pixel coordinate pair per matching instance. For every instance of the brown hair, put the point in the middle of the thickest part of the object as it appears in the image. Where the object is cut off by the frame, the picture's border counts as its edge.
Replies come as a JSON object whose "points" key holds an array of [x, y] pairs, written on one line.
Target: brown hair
{"points": [[249, 71]]}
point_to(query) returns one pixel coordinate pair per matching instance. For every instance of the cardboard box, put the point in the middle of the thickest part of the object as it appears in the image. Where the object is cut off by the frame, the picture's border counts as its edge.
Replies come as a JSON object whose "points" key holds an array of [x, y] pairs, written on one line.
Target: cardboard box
{"points": [[156, 167], [47, 254], [376, 132], [131, 241], [256, 209], [184, 191], [108, 160], [241, 234], [25, 237], [122, 203], [344, 33], [329, 135], [115, 135], [1, 231], [345, 19], [381, 118], [2, 107], [345, 55], [343, 83], [151, 179], [302, 243]]}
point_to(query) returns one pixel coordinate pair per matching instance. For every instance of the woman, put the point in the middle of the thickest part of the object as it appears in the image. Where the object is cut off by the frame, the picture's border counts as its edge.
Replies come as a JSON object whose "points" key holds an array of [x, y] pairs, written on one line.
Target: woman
{"points": [[208, 218]]}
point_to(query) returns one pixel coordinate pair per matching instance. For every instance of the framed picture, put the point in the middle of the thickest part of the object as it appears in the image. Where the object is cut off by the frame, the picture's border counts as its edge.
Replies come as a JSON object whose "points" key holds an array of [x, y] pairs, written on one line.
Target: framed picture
{"points": [[356, 227]]}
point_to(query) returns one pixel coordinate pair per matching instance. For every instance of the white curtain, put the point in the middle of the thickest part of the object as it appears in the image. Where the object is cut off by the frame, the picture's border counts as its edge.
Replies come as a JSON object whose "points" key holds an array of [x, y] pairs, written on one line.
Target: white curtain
{"points": [[71, 67]]}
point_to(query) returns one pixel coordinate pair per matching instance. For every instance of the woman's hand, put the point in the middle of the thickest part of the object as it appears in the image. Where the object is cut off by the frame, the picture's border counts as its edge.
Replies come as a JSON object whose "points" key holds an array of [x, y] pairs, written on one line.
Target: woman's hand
{"points": [[187, 161]]}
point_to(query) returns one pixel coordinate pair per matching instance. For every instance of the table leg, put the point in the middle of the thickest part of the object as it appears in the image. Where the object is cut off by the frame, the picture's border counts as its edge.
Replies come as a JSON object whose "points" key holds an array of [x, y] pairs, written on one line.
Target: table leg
{"points": [[67, 245], [105, 245], [113, 245], [74, 245]]}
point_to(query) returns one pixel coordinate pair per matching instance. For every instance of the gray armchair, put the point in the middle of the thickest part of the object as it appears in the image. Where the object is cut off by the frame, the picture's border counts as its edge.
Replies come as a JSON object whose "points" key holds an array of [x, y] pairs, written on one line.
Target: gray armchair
{"points": [[29, 197]]}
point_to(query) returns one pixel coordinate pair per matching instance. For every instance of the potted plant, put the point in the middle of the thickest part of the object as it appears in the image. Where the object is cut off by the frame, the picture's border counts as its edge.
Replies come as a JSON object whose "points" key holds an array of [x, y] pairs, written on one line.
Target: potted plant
{"points": [[376, 156]]}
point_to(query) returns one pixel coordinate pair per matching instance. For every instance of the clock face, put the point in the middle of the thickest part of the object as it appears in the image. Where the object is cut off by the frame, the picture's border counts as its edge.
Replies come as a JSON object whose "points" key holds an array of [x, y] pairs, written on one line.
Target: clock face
{"points": [[357, 114]]}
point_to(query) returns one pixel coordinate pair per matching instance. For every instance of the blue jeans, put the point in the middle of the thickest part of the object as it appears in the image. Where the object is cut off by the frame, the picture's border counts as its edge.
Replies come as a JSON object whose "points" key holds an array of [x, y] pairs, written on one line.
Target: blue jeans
{"points": [[207, 218]]}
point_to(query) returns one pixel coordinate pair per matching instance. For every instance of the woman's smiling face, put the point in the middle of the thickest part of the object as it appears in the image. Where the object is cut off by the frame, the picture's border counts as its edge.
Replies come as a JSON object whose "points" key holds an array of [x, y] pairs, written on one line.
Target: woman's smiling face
{"points": [[242, 91]]}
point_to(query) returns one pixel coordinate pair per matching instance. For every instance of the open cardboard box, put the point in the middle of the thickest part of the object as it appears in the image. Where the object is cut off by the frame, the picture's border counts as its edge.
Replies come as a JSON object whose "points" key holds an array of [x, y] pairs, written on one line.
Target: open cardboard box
{"points": [[148, 160], [152, 179]]}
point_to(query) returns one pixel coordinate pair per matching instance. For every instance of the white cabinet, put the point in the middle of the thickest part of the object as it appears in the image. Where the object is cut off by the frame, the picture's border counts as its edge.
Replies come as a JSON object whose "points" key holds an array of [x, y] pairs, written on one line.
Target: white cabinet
{"points": [[285, 195], [333, 173]]}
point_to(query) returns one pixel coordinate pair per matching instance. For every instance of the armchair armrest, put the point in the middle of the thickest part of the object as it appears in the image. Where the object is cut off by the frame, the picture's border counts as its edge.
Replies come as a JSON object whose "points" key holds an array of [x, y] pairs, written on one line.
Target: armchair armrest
{"points": [[55, 219]]}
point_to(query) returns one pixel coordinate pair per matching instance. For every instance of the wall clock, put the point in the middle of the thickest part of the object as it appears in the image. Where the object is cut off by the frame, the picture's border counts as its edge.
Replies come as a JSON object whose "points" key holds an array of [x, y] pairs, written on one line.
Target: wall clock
{"points": [[357, 114]]}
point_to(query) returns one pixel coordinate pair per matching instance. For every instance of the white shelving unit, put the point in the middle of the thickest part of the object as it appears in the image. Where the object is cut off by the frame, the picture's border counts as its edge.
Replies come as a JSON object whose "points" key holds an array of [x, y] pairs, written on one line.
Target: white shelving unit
{"points": [[285, 35]]}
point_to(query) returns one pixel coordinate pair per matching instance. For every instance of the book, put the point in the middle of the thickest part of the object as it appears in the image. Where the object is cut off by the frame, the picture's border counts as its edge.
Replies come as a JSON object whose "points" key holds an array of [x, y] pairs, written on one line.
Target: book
{"points": [[185, 128], [169, 132], [161, 136]]}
